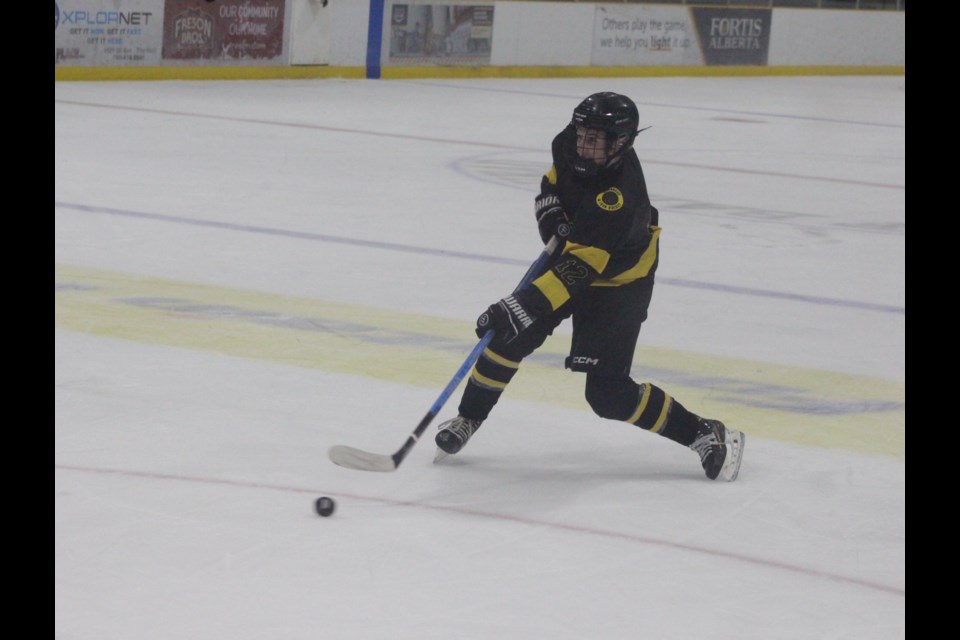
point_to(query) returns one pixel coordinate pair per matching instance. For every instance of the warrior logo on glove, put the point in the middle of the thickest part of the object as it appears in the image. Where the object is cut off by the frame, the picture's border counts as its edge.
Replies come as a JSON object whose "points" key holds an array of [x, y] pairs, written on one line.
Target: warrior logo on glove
{"points": [[518, 311], [507, 317]]}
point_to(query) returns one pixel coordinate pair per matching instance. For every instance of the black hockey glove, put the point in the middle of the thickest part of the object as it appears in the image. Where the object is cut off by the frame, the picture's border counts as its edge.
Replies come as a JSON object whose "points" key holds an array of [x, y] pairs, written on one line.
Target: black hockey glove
{"points": [[551, 218], [507, 317]]}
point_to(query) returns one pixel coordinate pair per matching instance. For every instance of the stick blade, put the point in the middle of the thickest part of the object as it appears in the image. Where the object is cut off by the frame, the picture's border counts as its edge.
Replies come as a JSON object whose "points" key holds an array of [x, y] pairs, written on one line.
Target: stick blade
{"points": [[352, 458]]}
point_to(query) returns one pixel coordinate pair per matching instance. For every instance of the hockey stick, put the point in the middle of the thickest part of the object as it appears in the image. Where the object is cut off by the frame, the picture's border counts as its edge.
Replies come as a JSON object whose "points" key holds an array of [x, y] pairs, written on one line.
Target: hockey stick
{"points": [[360, 460]]}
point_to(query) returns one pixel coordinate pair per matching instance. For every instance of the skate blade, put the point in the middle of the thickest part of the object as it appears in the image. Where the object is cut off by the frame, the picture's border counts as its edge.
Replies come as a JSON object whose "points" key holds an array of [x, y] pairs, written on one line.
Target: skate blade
{"points": [[731, 470]]}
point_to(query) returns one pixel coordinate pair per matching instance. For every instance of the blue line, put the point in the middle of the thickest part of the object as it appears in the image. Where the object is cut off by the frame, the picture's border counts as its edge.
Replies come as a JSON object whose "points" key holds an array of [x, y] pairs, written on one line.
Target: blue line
{"points": [[389, 246], [374, 39], [766, 293], [300, 235]]}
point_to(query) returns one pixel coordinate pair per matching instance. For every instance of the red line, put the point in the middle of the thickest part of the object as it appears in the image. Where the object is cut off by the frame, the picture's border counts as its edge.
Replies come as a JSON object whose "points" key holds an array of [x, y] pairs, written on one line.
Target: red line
{"points": [[629, 537]]}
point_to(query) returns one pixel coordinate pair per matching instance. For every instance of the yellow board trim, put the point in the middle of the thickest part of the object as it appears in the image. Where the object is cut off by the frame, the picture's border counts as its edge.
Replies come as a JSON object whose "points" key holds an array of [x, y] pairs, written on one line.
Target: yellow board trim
{"points": [[401, 73], [98, 74], [406, 73]]}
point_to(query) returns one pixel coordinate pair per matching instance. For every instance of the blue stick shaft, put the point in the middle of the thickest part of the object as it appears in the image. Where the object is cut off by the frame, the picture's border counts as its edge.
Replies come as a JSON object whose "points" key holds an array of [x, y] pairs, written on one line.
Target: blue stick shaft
{"points": [[532, 273]]}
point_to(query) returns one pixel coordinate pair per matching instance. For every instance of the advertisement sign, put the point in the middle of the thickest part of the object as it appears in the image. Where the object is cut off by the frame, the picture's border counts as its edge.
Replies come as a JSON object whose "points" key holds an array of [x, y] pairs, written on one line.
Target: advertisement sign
{"points": [[652, 35], [227, 30], [733, 36], [107, 32], [449, 34], [643, 36]]}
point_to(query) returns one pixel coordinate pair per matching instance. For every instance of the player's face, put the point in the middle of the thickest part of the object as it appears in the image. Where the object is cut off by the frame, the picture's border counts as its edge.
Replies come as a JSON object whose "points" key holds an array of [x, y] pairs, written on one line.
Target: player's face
{"points": [[592, 145]]}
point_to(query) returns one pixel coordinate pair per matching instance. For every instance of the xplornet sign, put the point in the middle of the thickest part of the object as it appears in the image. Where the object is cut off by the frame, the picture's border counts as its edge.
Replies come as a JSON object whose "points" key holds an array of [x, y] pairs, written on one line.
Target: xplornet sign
{"points": [[107, 32]]}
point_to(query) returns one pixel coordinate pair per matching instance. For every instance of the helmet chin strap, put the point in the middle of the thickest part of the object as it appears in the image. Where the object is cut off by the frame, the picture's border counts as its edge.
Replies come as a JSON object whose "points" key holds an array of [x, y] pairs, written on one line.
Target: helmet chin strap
{"points": [[617, 155]]}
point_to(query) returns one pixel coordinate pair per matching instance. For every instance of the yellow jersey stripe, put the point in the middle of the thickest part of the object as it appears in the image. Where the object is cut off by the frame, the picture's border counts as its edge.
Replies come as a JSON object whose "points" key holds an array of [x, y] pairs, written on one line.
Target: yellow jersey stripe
{"points": [[596, 258], [551, 175], [554, 290], [640, 270]]}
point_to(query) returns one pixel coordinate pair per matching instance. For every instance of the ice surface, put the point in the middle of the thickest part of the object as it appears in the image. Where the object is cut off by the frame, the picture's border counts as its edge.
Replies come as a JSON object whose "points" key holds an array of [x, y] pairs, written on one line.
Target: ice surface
{"points": [[250, 272]]}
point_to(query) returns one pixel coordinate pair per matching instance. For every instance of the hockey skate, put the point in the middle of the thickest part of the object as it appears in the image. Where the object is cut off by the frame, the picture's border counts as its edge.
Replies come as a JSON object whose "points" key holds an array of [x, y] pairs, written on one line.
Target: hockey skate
{"points": [[720, 449], [455, 433]]}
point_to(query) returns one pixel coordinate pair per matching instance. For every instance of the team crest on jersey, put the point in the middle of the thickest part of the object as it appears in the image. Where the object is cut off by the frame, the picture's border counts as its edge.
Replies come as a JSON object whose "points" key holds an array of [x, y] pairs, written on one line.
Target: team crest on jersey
{"points": [[610, 200]]}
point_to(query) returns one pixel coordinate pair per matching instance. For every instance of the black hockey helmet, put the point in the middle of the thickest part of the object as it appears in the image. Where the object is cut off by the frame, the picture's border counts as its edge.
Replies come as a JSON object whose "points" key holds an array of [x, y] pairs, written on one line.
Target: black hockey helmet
{"points": [[612, 113]]}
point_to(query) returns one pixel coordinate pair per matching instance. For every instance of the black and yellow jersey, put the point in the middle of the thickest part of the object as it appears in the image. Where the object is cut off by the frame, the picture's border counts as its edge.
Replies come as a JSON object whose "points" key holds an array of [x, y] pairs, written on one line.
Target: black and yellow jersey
{"points": [[615, 230]]}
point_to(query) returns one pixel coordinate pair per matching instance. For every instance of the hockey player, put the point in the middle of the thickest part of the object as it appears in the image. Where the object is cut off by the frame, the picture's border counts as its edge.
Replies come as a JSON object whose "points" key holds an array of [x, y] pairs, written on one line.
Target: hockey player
{"points": [[594, 200]]}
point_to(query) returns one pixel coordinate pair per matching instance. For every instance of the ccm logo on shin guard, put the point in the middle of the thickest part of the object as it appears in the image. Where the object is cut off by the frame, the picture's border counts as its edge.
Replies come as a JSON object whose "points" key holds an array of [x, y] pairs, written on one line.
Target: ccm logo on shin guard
{"points": [[585, 360]]}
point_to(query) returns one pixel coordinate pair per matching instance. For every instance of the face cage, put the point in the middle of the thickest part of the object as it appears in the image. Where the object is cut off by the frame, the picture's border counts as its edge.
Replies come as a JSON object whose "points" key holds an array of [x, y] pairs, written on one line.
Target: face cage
{"points": [[586, 167]]}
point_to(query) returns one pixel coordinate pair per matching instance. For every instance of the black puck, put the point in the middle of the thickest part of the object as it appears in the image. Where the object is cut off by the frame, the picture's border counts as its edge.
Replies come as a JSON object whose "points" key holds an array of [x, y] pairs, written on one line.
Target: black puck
{"points": [[325, 506]]}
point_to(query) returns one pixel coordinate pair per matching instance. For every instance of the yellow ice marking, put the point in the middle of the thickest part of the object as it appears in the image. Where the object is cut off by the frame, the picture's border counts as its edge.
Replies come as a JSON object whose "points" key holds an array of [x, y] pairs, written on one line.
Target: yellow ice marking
{"points": [[818, 408], [296, 331]]}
